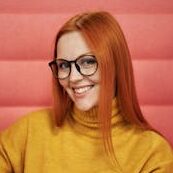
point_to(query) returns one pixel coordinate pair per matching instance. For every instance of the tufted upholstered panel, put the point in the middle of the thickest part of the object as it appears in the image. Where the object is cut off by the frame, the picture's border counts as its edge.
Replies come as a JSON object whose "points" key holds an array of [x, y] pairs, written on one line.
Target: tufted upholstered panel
{"points": [[27, 32]]}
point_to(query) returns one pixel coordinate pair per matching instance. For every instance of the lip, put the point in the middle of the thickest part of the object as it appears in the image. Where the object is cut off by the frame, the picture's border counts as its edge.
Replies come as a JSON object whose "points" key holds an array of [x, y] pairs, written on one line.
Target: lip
{"points": [[81, 95], [76, 87]]}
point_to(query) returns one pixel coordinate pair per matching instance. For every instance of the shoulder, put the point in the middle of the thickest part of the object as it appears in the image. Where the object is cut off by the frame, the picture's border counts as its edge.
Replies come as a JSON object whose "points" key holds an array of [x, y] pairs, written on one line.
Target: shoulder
{"points": [[40, 117], [142, 137], [159, 153], [35, 119], [157, 143], [146, 147], [155, 150], [153, 141], [15, 139]]}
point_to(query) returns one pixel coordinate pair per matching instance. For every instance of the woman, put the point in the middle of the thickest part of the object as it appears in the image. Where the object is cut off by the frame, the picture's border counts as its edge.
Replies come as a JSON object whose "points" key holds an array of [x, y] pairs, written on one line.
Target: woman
{"points": [[96, 124]]}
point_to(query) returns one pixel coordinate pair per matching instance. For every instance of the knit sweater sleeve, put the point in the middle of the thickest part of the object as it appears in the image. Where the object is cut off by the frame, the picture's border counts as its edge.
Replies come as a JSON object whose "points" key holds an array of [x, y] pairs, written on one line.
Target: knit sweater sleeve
{"points": [[161, 156], [12, 146]]}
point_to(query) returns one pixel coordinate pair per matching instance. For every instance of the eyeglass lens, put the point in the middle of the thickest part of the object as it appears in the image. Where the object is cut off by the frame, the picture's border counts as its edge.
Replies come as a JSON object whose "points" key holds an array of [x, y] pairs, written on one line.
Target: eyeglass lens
{"points": [[86, 65]]}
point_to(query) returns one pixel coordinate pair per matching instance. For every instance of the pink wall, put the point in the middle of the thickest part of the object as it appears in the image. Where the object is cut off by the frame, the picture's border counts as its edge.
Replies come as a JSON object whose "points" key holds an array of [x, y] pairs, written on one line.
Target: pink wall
{"points": [[68, 6], [27, 32]]}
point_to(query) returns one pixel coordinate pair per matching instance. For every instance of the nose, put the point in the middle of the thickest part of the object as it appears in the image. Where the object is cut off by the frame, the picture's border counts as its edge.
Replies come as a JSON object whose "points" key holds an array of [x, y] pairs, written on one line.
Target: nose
{"points": [[75, 74]]}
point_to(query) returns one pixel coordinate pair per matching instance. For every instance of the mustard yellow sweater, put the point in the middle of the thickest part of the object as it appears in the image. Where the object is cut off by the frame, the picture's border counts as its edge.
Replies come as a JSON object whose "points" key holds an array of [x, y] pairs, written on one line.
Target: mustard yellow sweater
{"points": [[35, 145]]}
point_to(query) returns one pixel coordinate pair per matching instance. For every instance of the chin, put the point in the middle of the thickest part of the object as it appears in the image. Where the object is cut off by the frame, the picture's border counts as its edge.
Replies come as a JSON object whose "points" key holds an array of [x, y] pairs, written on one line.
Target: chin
{"points": [[84, 107]]}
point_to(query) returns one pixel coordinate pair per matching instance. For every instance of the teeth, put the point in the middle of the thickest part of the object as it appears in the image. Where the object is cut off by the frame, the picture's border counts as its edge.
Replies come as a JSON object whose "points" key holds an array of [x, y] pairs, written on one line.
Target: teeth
{"points": [[82, 90]]}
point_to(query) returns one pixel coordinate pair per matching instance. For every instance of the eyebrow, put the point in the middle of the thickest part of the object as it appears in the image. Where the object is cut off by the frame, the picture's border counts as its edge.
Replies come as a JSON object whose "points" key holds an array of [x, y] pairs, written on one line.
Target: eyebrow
{"points": [[87, 53]]}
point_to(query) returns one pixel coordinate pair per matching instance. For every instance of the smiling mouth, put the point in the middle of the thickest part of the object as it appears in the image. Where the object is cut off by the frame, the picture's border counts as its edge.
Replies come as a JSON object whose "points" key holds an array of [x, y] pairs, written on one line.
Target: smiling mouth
{"points": [[82, 89]]}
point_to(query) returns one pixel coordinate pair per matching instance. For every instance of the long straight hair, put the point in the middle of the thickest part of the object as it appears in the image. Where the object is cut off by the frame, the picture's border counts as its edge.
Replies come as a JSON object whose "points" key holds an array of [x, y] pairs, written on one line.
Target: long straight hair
{"points": [[105, 38]]}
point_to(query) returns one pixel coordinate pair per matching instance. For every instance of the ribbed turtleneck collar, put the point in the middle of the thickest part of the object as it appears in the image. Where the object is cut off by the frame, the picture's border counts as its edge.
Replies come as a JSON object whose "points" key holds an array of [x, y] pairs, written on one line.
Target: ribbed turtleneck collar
{"points": [[86, 122]]}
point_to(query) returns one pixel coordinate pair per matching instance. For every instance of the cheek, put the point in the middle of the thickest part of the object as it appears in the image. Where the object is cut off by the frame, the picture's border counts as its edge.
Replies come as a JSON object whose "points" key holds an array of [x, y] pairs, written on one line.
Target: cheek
{"points": [[63, 83], [96, 77]]}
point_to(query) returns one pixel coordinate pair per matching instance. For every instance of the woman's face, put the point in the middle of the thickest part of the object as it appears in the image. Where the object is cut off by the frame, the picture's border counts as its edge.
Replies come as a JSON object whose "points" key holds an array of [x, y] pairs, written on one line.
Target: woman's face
{"points": [[83, 90]]}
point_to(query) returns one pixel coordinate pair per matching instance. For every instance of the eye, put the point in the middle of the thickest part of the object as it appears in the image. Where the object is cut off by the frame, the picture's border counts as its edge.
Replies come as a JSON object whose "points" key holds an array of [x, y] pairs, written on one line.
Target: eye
{"points": [[62, 65], [87, 61]]}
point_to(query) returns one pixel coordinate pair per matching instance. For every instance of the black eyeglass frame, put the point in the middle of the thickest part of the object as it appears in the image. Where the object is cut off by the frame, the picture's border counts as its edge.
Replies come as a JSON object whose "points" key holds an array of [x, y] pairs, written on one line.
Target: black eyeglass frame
{"points": [[76, 65]]}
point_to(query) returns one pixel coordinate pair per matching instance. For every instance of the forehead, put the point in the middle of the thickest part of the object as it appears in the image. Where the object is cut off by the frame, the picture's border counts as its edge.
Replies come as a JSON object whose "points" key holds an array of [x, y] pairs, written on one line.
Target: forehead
{"points": [[72, 45]]}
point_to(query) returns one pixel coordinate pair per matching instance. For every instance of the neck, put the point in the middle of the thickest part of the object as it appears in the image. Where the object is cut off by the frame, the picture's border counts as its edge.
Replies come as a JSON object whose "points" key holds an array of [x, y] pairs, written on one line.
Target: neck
{"points": [[86, 122]]}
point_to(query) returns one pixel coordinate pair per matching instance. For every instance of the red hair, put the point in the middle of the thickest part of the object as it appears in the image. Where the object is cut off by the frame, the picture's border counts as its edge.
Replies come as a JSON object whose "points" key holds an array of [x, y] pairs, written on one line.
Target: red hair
{"points": [[106, 39]]}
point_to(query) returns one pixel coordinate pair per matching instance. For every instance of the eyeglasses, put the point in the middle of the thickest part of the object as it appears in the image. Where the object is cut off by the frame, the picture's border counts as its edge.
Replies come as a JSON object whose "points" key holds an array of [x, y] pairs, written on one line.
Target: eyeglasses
{"points": [[86, 65]]}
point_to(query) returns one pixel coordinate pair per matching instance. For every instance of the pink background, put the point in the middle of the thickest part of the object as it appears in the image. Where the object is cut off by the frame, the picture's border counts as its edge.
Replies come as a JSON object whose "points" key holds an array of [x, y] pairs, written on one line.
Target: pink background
{"points": [[27, 33]]}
